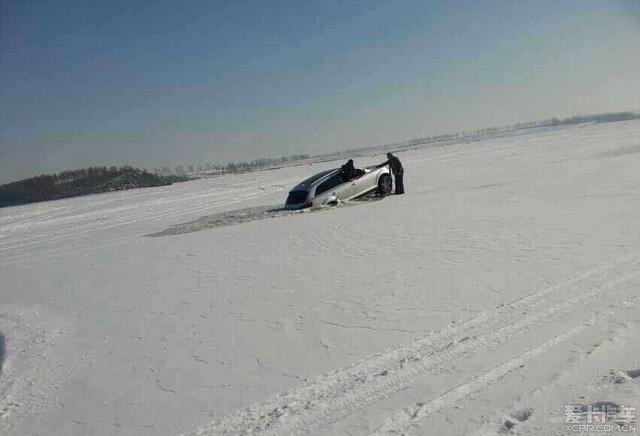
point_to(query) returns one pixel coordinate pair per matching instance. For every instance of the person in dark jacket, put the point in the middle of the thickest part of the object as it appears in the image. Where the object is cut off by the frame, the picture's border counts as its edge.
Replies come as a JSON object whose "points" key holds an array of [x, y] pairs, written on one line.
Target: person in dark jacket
{"points": [[396, 169], [348, 171]]}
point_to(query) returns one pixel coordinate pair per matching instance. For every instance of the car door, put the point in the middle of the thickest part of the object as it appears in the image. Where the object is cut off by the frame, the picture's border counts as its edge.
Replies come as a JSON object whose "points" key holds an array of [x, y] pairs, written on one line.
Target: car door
{"points": [[343, 190], [361, 185], [329, 187]]}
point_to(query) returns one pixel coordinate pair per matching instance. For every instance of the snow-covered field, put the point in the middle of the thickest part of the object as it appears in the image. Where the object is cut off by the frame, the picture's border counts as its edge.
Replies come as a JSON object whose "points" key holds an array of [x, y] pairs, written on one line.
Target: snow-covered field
{"points": [[503, 285]]}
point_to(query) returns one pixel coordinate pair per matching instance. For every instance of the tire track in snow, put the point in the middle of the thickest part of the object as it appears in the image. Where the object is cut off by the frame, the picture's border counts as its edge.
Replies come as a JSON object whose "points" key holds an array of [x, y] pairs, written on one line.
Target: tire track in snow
{"points": [[338, 394], [402, 420], [383, 385]]}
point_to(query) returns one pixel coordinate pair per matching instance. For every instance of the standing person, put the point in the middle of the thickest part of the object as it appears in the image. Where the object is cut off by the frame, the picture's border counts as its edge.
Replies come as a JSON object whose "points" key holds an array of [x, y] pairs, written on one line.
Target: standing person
{"points": [[396, 169]]}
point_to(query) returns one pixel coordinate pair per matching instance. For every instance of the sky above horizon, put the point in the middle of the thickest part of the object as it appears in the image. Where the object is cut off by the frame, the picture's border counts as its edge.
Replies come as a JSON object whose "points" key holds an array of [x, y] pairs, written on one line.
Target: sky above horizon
{"points": [[154, 83]]}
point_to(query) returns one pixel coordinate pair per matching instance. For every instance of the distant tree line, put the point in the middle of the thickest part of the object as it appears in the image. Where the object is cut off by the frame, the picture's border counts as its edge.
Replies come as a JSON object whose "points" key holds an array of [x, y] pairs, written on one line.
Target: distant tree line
{"points": [[229, 168], [78, 182], [551, 122], [208, 169]]}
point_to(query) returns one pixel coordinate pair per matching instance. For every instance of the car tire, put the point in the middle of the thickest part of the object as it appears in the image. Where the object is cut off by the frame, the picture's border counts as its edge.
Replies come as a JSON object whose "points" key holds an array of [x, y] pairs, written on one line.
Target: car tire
{"points": [[385, 185]]}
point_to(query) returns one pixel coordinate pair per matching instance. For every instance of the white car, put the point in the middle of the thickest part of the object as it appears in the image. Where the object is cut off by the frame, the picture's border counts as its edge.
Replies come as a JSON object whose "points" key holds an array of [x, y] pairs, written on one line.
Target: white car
{"points": [[330, 187]]}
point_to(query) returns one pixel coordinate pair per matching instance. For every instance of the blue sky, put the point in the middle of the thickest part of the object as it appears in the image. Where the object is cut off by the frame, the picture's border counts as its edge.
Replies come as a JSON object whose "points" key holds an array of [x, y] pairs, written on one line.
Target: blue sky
{"points": [[154, 83]]}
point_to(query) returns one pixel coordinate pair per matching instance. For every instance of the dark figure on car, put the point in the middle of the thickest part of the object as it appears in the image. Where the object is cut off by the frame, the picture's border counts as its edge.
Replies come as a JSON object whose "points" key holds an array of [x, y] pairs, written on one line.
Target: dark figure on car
{"points": [[396, 169], [348, 171]]}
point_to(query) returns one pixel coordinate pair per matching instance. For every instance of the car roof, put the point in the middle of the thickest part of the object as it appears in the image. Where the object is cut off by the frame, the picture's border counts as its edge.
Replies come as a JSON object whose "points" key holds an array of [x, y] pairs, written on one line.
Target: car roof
{"points": [[305, 184]]}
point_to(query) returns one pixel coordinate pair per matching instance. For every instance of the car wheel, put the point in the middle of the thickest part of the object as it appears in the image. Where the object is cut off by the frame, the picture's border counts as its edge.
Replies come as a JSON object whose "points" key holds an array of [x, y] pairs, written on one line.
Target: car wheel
{"points": [[385, 185]]}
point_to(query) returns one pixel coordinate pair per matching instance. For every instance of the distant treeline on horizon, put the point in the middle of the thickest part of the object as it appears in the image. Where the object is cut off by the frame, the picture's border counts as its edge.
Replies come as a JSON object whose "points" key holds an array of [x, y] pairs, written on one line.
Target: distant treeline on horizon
{"points": [[92, 180], [209, 169]]}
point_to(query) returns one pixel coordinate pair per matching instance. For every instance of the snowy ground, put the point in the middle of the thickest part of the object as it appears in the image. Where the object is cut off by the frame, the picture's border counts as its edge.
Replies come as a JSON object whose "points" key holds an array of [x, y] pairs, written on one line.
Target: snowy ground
{"points": [[503, 285]]}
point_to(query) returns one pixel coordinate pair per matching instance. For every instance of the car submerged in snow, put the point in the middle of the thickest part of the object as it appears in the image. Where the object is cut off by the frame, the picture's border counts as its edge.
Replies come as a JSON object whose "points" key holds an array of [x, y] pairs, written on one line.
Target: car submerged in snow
{"points": [[330, 187]]}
